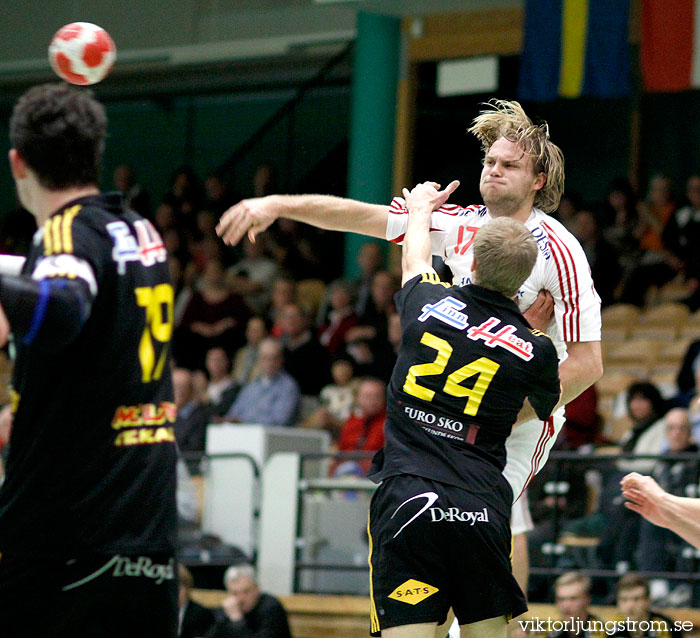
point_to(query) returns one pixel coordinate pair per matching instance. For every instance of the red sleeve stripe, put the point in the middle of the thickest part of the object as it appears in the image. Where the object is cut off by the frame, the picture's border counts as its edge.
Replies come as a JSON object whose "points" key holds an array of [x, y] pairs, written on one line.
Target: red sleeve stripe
{"points": [[572, 331], [540, 448], [396, 207], [577, 309]]}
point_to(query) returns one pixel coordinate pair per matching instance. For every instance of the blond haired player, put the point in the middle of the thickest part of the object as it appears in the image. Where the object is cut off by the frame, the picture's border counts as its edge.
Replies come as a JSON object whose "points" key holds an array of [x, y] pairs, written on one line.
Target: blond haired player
{"points": [[523, 178]]}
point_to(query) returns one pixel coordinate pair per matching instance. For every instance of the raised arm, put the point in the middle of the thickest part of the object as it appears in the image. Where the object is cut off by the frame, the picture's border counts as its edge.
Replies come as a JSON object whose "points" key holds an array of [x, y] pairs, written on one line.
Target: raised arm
{"points": [[421, 202], [253, 216]]}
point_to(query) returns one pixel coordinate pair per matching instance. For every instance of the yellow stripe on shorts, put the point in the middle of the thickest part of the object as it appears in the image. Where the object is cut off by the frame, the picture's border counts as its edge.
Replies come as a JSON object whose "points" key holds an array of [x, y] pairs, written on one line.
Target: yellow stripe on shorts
{"points": [[373, 617]]}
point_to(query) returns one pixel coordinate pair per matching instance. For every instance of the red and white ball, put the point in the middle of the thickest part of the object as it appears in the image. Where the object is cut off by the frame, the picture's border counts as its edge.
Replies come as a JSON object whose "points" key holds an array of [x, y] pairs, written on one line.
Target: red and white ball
{"points": [[82, 53]]}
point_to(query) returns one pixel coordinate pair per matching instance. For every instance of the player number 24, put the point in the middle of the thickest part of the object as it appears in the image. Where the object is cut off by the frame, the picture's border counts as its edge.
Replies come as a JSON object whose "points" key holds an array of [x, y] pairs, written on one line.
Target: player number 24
{"points": [[158, 302], [483, 367]]}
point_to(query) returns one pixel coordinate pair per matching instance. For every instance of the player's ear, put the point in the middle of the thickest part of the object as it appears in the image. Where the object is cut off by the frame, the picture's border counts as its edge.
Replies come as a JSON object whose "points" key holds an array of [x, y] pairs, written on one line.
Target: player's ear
{"points": [[540, 181], [17, 164], [474, 268]]}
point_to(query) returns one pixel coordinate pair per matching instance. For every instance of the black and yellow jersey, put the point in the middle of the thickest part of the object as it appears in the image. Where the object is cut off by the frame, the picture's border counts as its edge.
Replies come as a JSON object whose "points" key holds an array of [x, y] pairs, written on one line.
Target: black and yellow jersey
{"points": [[91, 466], [467, 361]]}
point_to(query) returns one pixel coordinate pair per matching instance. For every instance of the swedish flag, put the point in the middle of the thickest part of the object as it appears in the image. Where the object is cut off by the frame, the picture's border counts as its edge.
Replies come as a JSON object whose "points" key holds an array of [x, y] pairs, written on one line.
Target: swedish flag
{"points": [[573, 48]]}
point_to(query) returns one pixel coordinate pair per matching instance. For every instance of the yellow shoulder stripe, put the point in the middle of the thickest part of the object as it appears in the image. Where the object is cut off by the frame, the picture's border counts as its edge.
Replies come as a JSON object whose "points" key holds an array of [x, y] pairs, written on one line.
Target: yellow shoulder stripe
{"points": [[58, 232], [432, 278]]}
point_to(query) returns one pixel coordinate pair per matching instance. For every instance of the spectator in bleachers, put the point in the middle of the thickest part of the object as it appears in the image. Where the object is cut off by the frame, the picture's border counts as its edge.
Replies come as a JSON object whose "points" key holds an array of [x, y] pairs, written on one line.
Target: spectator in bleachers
{"points": [[216, 194], [686, 379], [253, 275], [602, 256], [214, 317], [247, 612], [192, 417], [293, 245], [682, 237], [221, 388], [370, 260], [619, 223], [620, 530], [194, 620], [304, 357], [164, 218], [634, 603], [372, 325], [657, 265], [245, 365], [337, 399], [185, 196], [341, 317], [660, 549], [284, 292], [572, 596], [271, 399], [135, 197], [364, 430]]}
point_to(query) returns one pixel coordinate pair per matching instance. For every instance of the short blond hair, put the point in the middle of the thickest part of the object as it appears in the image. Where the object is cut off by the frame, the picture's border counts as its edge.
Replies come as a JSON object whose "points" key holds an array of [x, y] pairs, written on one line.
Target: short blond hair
{"points": [[508, 119], [573, 578], [505, 252]]}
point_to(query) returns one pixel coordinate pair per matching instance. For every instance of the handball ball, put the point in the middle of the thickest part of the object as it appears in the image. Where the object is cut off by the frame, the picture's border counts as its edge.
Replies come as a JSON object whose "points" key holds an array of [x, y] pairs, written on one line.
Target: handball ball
{"points": [[82, 53]]}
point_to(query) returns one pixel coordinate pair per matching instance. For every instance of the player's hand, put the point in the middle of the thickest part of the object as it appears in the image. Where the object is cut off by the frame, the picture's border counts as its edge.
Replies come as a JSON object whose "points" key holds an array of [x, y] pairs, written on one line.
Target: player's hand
{"points": [[4, 328], [232, 609], [428, 195], [540, 314], [645, 497], [251, 216]]}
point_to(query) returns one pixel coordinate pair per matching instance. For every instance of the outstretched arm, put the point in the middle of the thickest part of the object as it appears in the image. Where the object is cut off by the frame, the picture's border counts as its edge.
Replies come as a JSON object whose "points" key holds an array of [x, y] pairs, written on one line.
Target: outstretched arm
{"points": [[677, 513], [421, 202], [252, 216]]}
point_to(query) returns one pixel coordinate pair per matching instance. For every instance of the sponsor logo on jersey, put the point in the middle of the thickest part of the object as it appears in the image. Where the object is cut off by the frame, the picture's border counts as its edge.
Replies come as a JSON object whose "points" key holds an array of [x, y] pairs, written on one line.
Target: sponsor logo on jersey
{"points": [[453, 514], [131, 419], [446, 310], [147, 247], [431, 419], [542, 241], [504, 337], [413, 592]]}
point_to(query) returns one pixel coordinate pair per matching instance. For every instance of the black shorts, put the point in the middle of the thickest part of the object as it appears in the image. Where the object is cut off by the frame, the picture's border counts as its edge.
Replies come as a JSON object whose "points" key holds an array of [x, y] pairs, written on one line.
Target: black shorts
{"points": [[434, 546], [97, 596]]}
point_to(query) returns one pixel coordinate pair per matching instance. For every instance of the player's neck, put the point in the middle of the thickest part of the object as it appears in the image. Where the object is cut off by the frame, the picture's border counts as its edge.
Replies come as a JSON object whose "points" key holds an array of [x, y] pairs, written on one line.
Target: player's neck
{"points": [[521, 214], [47, 202]]}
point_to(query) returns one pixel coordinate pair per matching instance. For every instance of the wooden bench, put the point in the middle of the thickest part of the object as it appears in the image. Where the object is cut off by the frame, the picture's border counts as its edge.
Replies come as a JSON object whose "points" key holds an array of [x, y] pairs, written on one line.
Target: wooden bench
{"points": [[316, 616]]}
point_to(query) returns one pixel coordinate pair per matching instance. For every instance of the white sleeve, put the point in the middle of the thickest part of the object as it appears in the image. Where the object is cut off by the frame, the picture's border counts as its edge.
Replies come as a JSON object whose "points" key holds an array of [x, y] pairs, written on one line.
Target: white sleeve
{"points": [[576, 302], [398, 220]]}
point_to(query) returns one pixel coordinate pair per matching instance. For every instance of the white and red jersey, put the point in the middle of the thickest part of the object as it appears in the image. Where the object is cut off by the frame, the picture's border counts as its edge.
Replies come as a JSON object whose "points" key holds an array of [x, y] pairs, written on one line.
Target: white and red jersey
{"points": [[561, 268]]}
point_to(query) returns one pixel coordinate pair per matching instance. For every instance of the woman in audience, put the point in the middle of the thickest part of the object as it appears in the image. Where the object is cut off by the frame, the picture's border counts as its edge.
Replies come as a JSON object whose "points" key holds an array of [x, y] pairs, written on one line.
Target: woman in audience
{"points": [[214, 317], [336, 399], [341, 317], [245, 368], [221, 387]]}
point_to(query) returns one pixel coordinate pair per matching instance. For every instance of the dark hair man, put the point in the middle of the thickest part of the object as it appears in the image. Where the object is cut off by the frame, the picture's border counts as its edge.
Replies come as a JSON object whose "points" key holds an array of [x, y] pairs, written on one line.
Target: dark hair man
{"points": [[87, 510]]}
